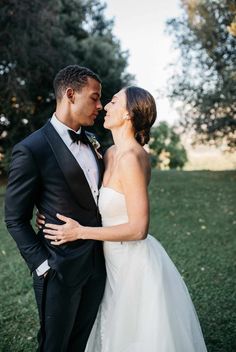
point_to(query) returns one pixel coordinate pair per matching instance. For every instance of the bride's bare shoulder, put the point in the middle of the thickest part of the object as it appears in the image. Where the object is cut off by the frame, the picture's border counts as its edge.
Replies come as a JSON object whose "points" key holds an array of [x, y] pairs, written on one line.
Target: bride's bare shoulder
{"points": [[109, 154], [136, 157], [136, 153]]}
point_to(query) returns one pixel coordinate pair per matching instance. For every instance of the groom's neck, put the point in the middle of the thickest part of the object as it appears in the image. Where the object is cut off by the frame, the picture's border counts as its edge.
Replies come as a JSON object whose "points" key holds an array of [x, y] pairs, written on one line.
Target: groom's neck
{"points": [[66, 119]]}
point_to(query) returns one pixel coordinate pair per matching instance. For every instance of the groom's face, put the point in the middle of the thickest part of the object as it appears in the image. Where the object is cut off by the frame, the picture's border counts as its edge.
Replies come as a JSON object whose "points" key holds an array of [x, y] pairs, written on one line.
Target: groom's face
{"points": [[86, 103]]}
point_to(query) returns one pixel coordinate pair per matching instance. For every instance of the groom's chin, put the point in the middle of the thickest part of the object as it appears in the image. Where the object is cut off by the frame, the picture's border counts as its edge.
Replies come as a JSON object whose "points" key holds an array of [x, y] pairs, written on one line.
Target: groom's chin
{"points": [[88, 123]]}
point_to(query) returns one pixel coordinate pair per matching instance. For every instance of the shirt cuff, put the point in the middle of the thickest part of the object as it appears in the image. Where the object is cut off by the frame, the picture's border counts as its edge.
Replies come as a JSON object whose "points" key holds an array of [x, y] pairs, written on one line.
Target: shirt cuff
{"points": [[43, 268]]}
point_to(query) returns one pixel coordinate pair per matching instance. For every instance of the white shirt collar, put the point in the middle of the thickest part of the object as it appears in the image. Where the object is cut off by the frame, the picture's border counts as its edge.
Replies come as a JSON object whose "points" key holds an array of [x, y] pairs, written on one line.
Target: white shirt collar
{"points": [[62, 129]]}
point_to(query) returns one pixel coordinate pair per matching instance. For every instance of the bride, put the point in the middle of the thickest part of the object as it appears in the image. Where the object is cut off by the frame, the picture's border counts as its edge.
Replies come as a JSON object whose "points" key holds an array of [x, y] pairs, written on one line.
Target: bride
{"points": [[146, 305]]}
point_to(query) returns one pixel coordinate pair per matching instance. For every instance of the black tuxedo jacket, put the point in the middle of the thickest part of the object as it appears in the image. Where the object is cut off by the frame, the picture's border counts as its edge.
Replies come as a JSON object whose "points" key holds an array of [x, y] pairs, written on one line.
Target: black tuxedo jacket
{"points": [[43, 172]]}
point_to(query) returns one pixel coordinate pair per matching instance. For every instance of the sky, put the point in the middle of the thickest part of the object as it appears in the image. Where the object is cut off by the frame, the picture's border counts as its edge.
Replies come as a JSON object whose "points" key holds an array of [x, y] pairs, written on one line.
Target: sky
{"points": [[140, 27]]}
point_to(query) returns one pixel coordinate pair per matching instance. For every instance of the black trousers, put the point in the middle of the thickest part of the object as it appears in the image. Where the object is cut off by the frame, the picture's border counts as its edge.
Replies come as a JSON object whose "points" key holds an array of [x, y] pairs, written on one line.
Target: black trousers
{"points": [[67, 313]]}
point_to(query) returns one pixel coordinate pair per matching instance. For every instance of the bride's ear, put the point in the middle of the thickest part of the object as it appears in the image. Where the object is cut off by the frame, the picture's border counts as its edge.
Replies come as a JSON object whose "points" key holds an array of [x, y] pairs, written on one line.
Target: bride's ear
{"points": [[126, 116]]}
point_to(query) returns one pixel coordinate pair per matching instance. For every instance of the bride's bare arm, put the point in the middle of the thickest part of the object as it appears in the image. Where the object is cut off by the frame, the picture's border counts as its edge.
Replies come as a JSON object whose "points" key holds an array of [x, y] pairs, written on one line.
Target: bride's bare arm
{"points": [[133, 178]]}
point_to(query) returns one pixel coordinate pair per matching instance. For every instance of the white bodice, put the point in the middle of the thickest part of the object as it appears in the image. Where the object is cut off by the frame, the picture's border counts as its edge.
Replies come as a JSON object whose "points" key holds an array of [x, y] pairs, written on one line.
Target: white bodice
{"points": [[112, 207]]}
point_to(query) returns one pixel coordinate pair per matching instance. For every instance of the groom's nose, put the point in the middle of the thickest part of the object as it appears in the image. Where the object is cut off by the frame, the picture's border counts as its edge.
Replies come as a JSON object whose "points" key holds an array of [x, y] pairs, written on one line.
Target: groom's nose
{"points": [[99, 105]]}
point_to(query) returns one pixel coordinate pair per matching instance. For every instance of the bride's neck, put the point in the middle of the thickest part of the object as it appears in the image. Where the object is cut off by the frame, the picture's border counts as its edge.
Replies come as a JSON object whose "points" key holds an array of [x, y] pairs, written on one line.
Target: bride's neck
{"points": [[123, 138]]}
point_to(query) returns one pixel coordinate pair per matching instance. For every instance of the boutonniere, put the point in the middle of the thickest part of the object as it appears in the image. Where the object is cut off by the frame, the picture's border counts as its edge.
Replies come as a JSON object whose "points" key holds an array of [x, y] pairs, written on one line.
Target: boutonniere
{"points": [[96, 145]]}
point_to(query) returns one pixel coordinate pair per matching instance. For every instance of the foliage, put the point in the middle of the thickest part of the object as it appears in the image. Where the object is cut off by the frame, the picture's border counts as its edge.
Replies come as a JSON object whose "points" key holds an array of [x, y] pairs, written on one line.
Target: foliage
{"points": [[205, 74], [38, 38], [197, 228], [166, 148], [193, 215]]}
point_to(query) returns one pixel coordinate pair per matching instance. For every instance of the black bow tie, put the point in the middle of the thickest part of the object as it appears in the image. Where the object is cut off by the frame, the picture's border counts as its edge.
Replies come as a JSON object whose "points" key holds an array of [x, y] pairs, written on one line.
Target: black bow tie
{"points": [[78, 137]]}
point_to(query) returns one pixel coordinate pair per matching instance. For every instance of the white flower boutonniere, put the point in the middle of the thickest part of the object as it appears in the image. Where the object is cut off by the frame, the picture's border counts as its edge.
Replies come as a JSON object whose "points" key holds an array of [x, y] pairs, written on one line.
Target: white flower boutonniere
{"points": [[96, 145]]}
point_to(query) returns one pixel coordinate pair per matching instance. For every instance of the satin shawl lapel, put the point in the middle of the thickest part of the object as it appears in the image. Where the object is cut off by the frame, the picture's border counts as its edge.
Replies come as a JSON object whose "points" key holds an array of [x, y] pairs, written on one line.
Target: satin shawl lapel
{"points": [[71, 169]]}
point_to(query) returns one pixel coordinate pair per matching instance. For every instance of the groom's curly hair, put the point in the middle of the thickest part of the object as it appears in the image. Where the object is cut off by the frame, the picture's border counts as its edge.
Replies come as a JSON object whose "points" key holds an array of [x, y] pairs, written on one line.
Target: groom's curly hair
{"points": [[72, 76]]}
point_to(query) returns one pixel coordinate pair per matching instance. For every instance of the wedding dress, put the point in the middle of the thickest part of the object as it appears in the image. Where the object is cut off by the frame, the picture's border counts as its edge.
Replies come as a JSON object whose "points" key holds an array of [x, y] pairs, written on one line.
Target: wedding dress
{"points": [[146, 306]]}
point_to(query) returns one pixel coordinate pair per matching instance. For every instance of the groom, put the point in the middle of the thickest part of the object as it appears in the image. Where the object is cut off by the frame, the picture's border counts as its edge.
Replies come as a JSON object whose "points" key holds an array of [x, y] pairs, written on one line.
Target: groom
{"points": [[59, 170]]}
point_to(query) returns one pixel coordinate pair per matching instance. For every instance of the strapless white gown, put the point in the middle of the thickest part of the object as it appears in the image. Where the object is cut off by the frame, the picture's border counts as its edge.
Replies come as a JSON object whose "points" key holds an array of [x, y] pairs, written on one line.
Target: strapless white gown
{"points": [[146, 306]]}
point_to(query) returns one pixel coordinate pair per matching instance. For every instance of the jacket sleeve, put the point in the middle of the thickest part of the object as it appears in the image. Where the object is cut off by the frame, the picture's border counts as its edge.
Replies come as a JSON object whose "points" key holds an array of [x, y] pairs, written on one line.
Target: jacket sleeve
{"points": [[21, 193]]}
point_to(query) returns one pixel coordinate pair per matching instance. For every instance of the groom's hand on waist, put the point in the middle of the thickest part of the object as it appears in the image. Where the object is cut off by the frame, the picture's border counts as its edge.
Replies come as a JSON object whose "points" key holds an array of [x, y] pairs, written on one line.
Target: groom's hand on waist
{"points": [[40, 220]]}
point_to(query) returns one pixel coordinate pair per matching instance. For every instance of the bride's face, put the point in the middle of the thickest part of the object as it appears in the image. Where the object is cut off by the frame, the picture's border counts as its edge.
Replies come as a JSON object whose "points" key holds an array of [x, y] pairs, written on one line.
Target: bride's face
{"points": [[116, 110]]}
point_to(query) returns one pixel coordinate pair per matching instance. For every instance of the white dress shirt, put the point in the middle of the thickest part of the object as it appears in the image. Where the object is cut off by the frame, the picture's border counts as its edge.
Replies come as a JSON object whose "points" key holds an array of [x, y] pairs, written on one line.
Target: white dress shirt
{"points": [[85, 157]]}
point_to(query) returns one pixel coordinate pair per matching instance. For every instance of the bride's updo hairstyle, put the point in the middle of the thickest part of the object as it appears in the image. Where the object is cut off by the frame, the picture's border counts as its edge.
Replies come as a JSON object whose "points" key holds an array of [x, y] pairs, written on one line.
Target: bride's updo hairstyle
{"points": [[141, 107]]}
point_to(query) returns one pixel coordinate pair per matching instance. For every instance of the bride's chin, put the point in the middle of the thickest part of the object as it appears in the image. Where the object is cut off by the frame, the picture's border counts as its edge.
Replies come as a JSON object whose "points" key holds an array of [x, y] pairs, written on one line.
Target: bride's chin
{"points": [[106, 125]]}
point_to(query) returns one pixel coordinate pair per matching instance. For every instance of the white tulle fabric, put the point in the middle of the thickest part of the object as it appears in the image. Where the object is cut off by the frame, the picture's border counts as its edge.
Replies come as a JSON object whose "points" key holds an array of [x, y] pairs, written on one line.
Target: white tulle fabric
{"points": [[146, 306]]}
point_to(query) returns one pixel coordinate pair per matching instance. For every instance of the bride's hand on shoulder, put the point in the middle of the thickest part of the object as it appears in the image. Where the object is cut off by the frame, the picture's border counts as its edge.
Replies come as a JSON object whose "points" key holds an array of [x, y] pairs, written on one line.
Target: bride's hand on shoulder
{"points": [[60, 234]]}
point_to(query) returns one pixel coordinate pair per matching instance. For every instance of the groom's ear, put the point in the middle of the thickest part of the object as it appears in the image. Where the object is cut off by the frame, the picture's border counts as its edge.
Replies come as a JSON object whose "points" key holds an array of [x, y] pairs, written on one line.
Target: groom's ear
{"points": [[70, 94]]}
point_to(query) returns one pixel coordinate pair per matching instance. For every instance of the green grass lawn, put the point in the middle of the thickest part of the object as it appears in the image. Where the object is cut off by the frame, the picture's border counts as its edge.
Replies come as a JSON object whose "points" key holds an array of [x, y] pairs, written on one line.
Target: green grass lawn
{"points": [[193, 216]]}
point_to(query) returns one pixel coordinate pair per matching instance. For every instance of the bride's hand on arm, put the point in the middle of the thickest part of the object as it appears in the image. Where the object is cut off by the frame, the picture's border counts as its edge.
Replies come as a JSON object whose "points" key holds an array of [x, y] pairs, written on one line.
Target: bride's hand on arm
{"points": [[59, 234]]}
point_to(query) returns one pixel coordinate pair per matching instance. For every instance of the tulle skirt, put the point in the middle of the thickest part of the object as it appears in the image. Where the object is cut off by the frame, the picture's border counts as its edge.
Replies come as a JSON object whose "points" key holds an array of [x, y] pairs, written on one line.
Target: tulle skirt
{"points": [[146, 305]]}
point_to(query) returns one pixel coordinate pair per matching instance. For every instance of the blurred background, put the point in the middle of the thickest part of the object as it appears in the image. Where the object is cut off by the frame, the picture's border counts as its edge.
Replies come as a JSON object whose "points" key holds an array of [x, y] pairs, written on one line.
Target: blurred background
{"points": [[184, 53]]}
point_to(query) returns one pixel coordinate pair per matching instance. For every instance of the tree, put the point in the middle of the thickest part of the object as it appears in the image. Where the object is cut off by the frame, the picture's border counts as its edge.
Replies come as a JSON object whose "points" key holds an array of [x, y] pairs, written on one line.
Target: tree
{"points": [[205, 76], [165, 148], [39, 37]]}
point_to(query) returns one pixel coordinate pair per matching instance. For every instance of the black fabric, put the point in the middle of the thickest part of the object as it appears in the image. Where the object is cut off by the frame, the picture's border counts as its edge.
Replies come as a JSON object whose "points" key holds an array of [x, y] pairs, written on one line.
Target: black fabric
{"points": [[77, 305], [45, 174], [72, 172], [78, 137]]}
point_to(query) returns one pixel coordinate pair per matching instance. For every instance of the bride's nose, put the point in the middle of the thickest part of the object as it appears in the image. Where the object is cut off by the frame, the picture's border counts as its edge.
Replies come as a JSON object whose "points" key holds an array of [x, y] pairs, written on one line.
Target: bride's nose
{"points": [[105, 107]]}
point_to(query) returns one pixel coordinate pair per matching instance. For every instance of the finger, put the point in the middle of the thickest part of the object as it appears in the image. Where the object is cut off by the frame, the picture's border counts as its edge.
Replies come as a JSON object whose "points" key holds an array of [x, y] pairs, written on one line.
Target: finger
{"points": [[51, 232], [62, 217], [40, 216], [40, 221], [53, 226], [52, 237], [57, 243]]}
